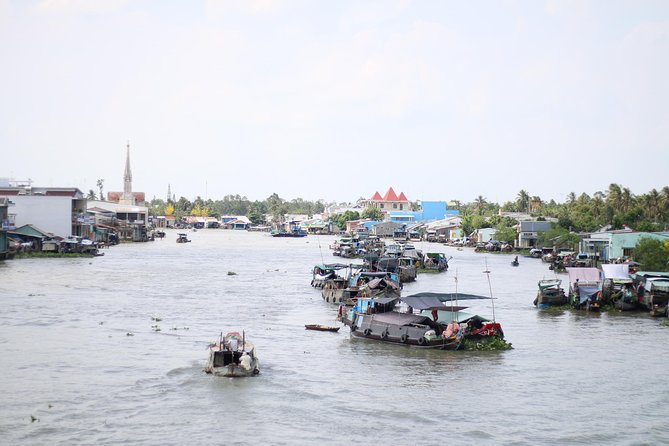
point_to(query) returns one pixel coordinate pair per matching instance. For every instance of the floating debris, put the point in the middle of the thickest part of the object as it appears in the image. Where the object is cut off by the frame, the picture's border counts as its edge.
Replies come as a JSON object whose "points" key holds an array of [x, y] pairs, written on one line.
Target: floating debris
{"points": [[33, 418], [179, 328], [155, 327], [130, 334], [156, 318], [101, 322], [50, 406], [232, 273]]}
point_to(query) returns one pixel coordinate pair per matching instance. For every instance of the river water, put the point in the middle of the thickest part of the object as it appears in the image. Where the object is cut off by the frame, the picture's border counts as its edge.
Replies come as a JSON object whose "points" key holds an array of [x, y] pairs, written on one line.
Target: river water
{"points": [[83, 362]]}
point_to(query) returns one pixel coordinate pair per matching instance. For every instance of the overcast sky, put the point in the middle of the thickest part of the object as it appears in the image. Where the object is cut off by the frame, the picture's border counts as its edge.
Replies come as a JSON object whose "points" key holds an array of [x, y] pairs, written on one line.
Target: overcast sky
{"points": [[337, 99]]}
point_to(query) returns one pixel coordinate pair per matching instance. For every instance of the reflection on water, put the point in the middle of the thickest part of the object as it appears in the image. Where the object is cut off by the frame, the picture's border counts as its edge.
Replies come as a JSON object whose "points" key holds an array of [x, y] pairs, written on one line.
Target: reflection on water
{"points": [[83, 353]]}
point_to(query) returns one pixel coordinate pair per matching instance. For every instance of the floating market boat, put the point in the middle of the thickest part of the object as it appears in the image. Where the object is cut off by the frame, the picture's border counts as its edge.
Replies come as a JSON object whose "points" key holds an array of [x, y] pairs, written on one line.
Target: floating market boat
{"points": [[232, 356], [439, 325], [361, 284], [182, 238], [319, 327], [653, 291], [585, 288], [435, 261], [550, 294], [324, 272]]}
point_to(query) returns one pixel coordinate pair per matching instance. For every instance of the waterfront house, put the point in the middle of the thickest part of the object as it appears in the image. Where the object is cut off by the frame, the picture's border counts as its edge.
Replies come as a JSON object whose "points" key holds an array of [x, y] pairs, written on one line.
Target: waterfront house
{"points": [[612, 245], [387, 228], [484, 235], [389, 202], [529, 231], [58, 210]]}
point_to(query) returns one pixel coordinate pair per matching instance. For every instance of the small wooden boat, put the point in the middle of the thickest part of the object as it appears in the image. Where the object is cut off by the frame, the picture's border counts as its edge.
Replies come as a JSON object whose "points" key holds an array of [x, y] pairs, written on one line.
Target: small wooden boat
{"points": [[321, 327], [232, 356]]}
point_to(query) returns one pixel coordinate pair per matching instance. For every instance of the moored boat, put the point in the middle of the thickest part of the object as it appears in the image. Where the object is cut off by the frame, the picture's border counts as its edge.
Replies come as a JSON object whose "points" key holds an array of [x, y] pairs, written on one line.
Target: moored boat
{"points": [[319, 327], [585, 288], [232, 356], [440, 323], [550, 294]]}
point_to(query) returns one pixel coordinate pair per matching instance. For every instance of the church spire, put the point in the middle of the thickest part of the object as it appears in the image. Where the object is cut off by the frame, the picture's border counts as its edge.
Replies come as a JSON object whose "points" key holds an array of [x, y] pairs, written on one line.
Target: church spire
{"points": [[127, 176]]}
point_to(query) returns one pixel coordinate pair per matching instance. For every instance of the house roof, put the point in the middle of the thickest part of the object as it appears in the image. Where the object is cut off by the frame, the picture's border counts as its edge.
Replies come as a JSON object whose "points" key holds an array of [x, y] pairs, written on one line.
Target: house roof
{"points": [[390, 195], [31, 230], [402, 197], [376, 196]]}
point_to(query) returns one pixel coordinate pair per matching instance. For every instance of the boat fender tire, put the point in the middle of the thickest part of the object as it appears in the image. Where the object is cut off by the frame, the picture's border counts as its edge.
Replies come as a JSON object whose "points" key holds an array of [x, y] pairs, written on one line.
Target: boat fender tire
{"points": [[422, 340], [384, 335], [327, 299], [404, 338], [367, 332]]}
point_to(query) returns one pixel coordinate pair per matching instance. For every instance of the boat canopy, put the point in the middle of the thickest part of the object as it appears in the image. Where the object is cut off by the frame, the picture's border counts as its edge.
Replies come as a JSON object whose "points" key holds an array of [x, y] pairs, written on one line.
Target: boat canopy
{"points": [[429, 303], [446, 317], [586, 292], [395, 318], [616, 271], [447, 297], [381, 283], [585, 275], [332, 266]]}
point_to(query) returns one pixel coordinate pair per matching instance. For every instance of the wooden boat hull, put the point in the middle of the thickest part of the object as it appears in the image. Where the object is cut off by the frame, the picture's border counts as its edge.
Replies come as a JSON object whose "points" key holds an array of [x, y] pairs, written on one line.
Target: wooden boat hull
{"points": [[321, 328]]}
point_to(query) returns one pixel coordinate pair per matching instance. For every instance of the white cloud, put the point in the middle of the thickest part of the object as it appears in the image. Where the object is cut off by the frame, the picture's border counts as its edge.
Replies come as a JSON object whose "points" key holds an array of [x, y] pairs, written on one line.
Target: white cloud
{"points": [[80, 6]]}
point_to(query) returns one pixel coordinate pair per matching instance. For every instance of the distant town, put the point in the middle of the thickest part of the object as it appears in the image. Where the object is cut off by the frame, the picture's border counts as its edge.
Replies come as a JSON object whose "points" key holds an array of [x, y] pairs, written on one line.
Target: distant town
{"points": [[607, 225]]}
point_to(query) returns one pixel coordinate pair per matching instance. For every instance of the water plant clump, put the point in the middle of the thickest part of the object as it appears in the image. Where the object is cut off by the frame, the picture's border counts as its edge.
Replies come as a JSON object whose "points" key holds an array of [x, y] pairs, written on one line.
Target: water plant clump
{"points": [[489, 344]]}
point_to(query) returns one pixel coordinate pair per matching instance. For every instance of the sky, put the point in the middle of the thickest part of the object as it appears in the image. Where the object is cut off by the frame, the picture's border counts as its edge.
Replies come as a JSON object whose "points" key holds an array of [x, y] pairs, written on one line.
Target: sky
{"points": [[335, 100]]}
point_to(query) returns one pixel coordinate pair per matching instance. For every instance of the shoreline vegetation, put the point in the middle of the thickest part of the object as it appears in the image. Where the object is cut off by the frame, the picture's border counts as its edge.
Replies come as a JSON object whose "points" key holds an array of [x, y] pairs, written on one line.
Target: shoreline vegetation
{"points": [[616, 207]]}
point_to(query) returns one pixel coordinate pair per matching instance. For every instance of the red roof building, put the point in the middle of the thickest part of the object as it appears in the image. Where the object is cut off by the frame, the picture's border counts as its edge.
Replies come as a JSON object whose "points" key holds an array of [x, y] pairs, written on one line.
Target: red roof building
{"points": [[389, 202]]}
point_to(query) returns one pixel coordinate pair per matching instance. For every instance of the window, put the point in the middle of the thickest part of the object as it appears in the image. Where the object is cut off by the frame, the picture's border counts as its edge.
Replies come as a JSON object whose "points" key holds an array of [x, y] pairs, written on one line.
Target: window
{"points": [[381, 205], [401, 207], [394, 205], [627, 252]]}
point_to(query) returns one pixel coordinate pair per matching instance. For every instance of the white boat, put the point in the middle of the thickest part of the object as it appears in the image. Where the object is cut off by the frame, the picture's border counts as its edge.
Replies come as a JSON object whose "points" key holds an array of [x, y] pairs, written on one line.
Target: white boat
{"points": [[232, 356]]}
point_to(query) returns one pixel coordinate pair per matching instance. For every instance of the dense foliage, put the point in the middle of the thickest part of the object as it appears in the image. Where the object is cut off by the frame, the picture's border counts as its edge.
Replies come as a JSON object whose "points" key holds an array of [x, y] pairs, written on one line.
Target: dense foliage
{"points": [[652, 254], [235, 205], [616, 208]]}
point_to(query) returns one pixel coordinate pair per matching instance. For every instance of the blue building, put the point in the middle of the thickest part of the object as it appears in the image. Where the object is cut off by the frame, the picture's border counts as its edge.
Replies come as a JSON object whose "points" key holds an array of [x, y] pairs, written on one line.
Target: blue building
{"points": [[431, 211]]}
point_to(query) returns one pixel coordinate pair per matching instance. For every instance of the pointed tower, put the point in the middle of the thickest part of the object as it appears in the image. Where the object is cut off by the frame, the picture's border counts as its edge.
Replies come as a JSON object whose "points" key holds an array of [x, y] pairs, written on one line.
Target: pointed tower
{"points": [[128, 197], [169, 192]]}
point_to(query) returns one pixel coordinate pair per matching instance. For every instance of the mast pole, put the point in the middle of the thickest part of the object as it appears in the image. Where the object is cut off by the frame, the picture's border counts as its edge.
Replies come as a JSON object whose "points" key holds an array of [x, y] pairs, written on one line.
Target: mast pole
{"points": [[492, 300]]}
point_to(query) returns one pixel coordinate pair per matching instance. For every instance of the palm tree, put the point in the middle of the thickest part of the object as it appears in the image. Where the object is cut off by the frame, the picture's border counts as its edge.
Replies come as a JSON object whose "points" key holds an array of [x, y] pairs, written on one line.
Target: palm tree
{"points": [[480, 204], [626, 200], [614, 196], [523, 201], [91, 195], [100, 183]]}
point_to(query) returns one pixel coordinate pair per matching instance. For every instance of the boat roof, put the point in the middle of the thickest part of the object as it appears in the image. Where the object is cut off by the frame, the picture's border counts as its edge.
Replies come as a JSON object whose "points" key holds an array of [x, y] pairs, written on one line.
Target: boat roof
{"points": [[332, 266], [429, 303], [616, 270], [583, 275], [447, 297]]}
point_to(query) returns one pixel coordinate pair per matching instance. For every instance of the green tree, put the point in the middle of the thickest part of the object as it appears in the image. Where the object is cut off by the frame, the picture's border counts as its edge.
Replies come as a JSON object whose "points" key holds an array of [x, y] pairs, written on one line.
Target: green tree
{"points": [[505, 234], [523, 201], [91, 195], [373, 213], [341, 219], [652, 254], [480, 204], [100, 183]]}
